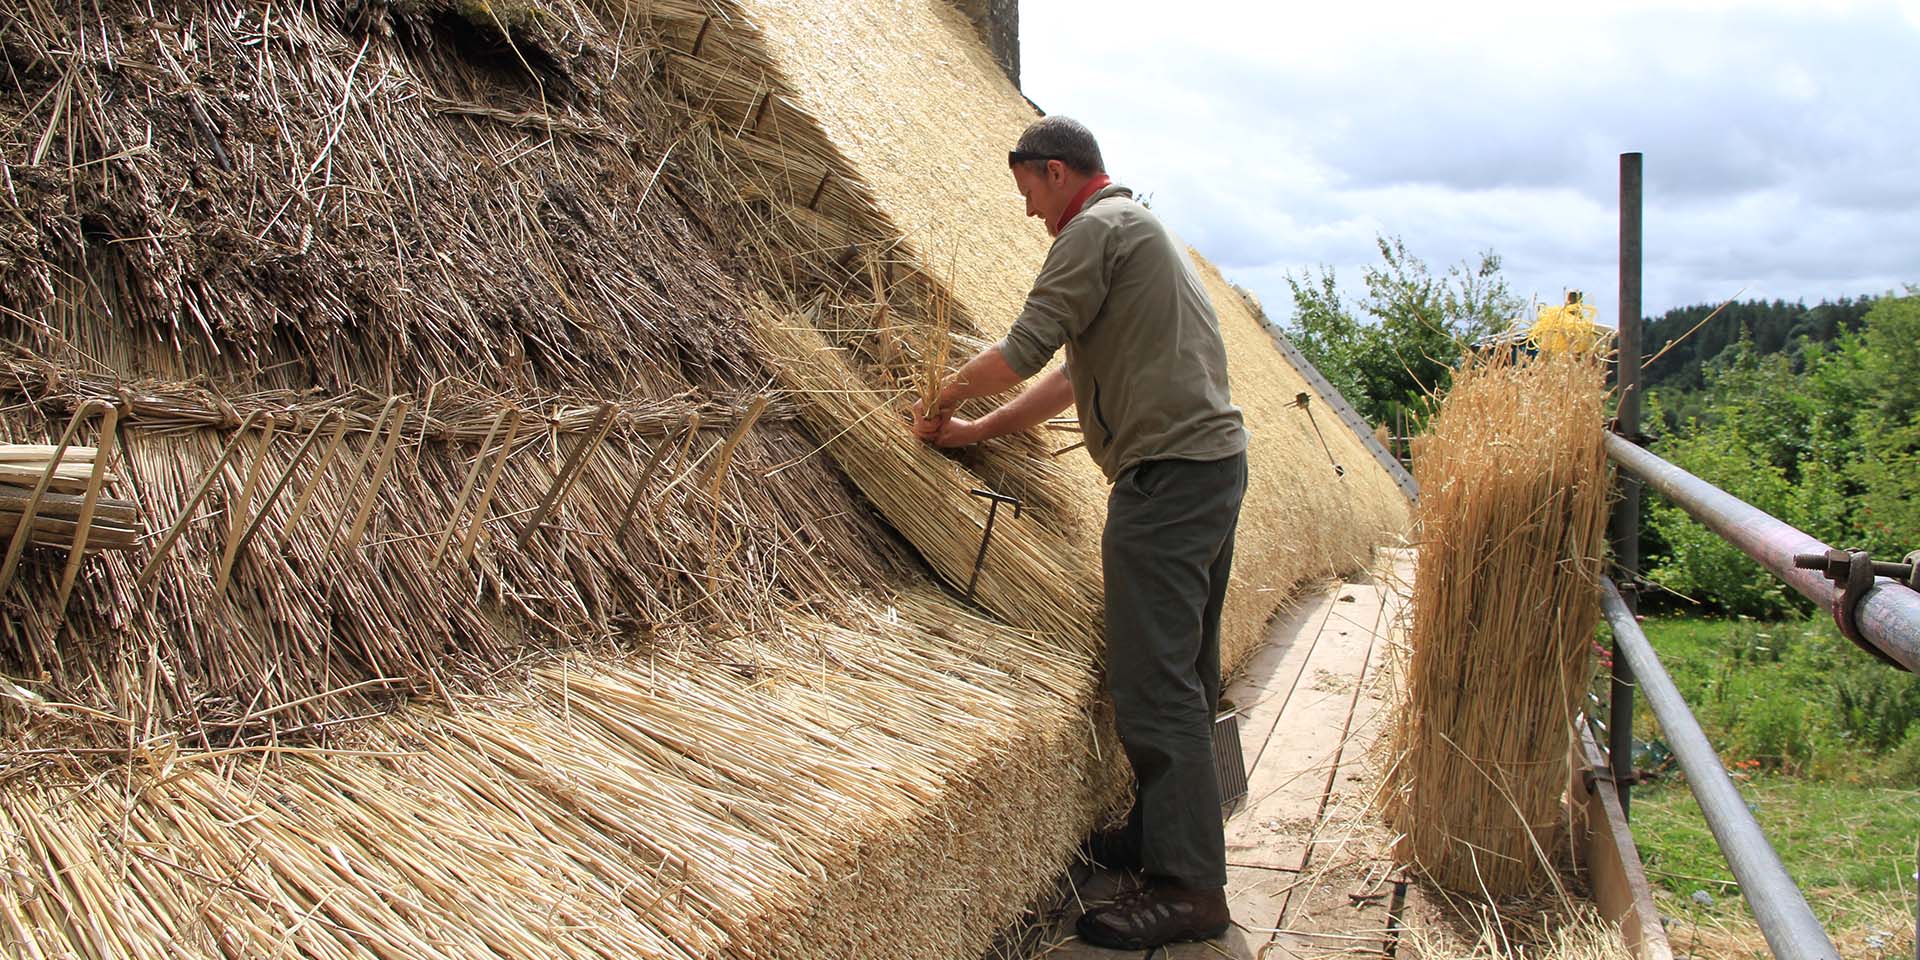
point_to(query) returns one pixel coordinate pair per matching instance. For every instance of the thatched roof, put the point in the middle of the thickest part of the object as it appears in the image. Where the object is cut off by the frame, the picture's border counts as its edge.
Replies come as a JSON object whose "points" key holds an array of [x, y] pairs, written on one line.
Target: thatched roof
{"points": [[892, 120], [528, 566]]}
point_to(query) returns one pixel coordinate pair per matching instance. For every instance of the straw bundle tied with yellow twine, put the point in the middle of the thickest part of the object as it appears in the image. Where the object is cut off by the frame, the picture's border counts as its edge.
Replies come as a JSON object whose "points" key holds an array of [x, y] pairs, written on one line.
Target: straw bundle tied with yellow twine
{"points": [[754, 805], [1513, 502]]}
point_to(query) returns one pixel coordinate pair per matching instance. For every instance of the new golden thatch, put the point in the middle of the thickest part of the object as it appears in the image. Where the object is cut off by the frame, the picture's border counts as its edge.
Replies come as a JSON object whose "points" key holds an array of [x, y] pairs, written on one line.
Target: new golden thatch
{"points": [[1511, 526], [492, 588]]}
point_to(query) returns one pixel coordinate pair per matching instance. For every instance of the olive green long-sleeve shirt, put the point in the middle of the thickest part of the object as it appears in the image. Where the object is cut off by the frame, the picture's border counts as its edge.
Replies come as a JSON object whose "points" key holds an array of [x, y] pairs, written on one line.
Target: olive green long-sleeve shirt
{"points": [[1144, 353]]}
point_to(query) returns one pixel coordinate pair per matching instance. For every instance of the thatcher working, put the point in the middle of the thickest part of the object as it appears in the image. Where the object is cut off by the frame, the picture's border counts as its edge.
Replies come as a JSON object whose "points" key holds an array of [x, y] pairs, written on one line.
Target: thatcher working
{"points": [[1147, 372]]}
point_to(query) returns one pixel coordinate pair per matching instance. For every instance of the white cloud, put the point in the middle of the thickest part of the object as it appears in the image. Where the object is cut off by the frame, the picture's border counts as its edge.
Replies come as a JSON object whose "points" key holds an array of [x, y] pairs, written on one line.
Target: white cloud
{"points": [[1779, 137]]}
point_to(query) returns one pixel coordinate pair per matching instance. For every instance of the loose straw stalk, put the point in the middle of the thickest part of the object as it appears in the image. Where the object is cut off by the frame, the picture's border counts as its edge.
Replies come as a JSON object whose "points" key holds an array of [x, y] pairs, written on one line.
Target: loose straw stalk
{"points": [[939, 345]]}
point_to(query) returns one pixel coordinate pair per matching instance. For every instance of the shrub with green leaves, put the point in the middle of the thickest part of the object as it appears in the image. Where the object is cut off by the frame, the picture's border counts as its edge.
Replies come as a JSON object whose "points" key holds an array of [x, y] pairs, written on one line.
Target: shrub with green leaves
{"points": [[1826, 438], [1793, 696]]}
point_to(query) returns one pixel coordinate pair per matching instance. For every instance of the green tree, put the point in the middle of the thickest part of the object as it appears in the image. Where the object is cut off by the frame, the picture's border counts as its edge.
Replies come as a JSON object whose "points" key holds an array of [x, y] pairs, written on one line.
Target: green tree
{"points": [[1684, 342], [1886, 361], [1328, 334], [1739, 456], [1397, 345], [1825, 436]]}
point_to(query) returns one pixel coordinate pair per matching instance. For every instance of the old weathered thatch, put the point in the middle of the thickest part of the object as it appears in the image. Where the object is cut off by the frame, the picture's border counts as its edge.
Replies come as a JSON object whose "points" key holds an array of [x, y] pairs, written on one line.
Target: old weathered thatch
{"points": [[505, 394], [1514, 494]]}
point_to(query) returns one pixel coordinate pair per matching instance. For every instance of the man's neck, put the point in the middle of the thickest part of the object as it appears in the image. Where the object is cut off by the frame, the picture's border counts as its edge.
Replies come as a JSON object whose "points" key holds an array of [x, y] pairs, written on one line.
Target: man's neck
{"points": [[1082, 192]]}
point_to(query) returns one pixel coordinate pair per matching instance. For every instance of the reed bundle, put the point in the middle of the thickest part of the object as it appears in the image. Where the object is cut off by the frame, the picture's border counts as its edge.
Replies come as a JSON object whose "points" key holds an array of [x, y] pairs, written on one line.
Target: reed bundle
{"points": [[1514, 495], [55, 514], [460, 411]]}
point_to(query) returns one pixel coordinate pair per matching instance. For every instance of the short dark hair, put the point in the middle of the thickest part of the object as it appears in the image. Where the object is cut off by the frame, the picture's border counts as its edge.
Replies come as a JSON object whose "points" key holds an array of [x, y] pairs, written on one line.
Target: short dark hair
{"points": [[1058, 138]]}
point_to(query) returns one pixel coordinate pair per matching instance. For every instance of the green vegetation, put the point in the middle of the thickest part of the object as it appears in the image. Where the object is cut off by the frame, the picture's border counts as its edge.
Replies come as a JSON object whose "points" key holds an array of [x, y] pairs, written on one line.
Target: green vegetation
{"points": [[1397, 345], [1683, 343], [1849, 847], [1825, 744], [1832, 836], [1792, 698], [1825, 437]]}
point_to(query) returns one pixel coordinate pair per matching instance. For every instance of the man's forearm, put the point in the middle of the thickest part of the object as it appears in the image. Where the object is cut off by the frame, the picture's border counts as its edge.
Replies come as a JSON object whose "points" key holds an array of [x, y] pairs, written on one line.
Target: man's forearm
{"points": [[1049, 395], [986, 374]]}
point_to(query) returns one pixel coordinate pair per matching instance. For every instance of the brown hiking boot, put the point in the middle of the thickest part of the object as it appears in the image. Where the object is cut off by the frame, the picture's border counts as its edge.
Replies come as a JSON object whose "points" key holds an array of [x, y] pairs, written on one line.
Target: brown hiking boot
{"points": [[1158, 914]]}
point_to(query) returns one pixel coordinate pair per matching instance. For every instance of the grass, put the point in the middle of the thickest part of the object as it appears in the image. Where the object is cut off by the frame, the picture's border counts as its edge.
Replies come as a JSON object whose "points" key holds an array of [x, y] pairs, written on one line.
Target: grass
{"points": [[1823, 743], [1791, 697], [1849, 847], [1831, 836]]}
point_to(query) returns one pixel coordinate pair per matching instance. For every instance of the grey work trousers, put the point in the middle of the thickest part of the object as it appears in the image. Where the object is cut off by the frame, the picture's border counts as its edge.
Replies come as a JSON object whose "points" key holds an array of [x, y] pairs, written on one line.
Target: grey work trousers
{"points": [[1167, 551]]}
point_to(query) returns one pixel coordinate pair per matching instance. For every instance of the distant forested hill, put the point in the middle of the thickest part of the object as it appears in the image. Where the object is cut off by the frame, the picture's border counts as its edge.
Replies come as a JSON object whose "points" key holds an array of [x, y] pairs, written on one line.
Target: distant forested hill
{"points": [[1775, 326]]}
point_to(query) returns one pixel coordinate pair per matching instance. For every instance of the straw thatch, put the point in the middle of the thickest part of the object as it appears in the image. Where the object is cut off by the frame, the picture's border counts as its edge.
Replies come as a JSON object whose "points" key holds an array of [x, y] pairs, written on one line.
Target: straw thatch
{"points": [[1030, 576], [493, 591], [759, 802], [366, 297], [1514, 493]]}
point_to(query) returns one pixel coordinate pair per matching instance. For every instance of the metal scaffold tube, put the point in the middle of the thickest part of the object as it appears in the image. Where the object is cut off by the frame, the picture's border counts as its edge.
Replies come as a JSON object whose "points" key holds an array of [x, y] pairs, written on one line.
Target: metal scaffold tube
{"points": [[1785, 920], [1624, 526], [1888, 615]]}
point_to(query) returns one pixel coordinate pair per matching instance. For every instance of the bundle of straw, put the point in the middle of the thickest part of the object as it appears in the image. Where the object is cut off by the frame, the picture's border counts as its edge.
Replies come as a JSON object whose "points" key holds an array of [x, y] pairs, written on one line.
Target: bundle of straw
{"points": [[1514, 489], [1030, 577]]}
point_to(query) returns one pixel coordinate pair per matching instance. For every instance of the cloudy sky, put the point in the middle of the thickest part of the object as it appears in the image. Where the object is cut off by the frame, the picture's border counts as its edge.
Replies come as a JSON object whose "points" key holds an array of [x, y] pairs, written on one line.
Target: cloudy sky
{"points": [[1781, 139]]}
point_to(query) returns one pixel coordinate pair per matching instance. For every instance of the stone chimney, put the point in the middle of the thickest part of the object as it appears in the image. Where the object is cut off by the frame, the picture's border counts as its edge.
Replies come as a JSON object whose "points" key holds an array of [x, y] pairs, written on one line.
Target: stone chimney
{"points": [[999, 24]]}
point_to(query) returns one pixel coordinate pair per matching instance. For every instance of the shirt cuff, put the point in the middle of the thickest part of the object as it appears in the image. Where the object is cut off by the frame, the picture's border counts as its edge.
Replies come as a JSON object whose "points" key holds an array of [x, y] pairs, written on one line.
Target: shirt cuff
{"points": [[1025, 358]]}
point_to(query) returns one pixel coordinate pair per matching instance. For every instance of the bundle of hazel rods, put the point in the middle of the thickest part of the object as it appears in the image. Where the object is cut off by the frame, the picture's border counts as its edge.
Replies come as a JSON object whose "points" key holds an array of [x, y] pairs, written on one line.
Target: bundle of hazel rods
{"points": [[58, 512], [1512, 515]]}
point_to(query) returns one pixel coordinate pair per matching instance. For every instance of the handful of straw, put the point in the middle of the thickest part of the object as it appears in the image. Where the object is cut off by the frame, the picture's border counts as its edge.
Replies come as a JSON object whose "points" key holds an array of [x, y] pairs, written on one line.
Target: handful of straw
{"points": [[1031, 577], [939, 346]]}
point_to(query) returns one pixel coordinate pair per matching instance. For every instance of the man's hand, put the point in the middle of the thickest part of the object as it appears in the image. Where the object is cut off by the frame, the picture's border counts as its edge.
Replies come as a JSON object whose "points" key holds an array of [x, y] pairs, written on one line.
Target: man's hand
{"points": [[927, 426], [956, 432], [943, 429]]}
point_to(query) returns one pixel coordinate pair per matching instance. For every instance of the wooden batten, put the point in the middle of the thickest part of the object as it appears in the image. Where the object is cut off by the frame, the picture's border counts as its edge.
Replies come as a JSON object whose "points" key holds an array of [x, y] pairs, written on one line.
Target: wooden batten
{"points": [[1608, 853]]}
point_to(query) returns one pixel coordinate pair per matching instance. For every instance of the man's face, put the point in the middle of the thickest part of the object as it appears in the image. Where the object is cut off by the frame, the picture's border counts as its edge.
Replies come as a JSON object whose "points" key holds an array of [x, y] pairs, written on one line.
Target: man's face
{"points": [[1045, 193]]}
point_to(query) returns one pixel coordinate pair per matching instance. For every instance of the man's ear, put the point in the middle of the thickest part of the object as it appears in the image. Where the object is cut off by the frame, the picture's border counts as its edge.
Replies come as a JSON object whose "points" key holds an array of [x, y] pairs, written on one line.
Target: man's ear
{"points": [[1056, 172]]}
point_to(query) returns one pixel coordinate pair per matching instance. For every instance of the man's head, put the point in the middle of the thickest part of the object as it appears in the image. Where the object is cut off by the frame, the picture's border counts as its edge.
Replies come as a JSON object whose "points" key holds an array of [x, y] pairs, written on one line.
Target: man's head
{"points": [[1055, 157]]}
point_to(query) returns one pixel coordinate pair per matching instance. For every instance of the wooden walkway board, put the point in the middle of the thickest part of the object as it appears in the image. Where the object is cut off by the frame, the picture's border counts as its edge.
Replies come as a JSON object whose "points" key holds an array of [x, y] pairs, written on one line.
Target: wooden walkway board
{"points": [[1310, 709]]}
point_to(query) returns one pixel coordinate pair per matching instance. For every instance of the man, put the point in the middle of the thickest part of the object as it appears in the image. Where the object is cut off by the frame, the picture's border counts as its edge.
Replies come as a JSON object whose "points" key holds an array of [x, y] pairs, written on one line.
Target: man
{"points": [[1147, 371]]}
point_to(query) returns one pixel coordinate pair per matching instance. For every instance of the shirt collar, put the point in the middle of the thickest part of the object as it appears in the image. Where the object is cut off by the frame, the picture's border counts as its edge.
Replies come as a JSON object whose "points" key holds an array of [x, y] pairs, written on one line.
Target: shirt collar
{"points": [[1080, 200]]}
